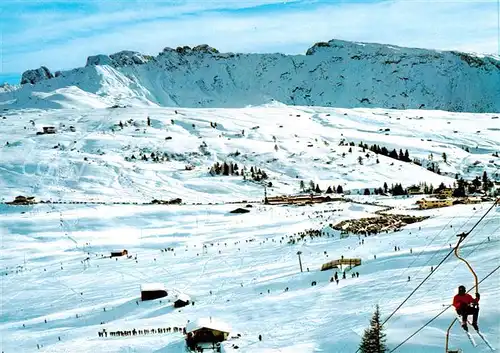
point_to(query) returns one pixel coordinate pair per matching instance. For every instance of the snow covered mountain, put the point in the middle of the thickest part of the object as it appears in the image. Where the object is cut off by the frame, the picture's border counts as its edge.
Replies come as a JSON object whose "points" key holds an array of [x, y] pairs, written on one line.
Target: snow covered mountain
{"points": [[335, 73]]}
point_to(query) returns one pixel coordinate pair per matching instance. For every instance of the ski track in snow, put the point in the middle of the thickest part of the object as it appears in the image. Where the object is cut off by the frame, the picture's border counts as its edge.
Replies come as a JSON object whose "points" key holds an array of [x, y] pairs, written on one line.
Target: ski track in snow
{"points": [[49, 239]]}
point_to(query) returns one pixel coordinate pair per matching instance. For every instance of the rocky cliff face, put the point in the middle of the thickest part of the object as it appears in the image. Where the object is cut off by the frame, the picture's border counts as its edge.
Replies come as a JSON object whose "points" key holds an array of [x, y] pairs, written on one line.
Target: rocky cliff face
{"points": [[120, 59], [335, 73], [37, 75]]}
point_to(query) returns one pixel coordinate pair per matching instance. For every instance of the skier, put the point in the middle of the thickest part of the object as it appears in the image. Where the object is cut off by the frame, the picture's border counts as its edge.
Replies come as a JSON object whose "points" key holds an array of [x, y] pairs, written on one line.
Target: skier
{"points": [[465, 306]]}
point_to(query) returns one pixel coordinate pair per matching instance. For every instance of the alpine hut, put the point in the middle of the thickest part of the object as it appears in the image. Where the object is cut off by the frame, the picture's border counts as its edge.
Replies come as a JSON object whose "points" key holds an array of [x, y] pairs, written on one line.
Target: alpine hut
{"points": [[182, 300], [206, 331], [151, 291], [119, 253]]}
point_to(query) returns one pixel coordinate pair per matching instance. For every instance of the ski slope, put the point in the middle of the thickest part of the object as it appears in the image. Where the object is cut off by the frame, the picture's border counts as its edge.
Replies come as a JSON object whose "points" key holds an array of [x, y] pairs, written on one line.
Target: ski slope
{"points": [[244, 259], [45, 274]]}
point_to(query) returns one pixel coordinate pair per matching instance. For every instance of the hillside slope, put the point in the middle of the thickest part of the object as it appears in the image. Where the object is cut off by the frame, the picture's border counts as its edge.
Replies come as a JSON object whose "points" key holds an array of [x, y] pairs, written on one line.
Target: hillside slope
{"points": [[337, 73], [92, 157]]}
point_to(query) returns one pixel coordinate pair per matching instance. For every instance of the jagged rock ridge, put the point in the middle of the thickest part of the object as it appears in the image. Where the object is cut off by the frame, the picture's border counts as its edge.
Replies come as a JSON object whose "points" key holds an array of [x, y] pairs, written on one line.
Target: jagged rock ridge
{"points": [[335, 73]]}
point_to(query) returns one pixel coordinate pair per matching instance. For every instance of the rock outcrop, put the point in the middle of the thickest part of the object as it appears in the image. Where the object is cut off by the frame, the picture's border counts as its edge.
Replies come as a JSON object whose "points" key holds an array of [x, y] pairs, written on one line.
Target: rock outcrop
{"points": [[120, 59], [37, 75]]}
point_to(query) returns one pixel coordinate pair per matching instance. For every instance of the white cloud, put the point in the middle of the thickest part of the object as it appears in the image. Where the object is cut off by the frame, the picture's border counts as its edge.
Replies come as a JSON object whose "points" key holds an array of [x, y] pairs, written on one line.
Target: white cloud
{"points": [[462, 25]]}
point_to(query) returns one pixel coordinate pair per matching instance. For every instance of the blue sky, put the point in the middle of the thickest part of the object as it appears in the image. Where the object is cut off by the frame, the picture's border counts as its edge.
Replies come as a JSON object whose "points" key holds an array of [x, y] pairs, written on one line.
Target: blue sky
{"points": [[60, 34]]}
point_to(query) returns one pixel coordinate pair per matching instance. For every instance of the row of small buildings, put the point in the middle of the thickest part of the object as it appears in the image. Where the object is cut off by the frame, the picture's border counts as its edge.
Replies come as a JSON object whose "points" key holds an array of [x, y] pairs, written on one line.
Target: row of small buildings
{"points": [[299, 199], [427, 203], [442, 198]]}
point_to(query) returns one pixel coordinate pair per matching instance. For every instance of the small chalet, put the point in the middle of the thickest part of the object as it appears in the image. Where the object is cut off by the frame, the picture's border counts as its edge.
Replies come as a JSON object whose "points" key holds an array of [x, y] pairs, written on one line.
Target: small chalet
{"points": [[445, 192], [49, 130], [123, 252], [182, 300], [206, 331], [22, 200], [415, 190], [151, 291]]}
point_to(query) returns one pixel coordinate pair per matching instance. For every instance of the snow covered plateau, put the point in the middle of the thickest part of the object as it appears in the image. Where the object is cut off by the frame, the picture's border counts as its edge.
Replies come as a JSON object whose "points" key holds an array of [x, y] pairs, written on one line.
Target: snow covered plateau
{"points": [[98, 144]]}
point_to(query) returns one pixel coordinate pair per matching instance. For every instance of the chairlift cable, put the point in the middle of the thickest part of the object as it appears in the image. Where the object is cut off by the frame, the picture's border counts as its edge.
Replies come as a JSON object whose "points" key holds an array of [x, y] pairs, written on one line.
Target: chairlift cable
{"points": [[442, 312], [462, 238]]}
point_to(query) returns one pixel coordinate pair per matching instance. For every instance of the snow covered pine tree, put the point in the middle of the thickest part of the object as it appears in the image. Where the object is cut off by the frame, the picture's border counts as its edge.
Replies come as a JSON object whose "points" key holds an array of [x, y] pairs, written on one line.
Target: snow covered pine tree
{"points": [[374, 337]]}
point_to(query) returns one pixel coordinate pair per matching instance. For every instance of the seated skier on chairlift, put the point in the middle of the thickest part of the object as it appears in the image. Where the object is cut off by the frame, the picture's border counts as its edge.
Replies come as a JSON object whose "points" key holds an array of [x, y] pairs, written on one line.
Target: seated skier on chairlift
{"points": [[465, 306]]}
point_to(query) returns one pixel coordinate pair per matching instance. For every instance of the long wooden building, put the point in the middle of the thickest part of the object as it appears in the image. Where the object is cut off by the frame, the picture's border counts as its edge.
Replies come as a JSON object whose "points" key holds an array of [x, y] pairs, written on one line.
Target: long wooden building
{"points": [[351, 262]]}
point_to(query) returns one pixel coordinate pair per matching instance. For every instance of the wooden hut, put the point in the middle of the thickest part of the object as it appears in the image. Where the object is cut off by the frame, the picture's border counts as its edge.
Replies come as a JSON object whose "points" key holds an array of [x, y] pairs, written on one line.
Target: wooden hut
{"points": [[22, 200], [182, 300], [119, 253], [49, 130], [151, 291], [206, 331]]}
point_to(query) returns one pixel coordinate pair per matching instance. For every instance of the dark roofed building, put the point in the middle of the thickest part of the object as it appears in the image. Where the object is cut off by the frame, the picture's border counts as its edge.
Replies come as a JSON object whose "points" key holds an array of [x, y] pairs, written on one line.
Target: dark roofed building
{"points": [[151, 291]]}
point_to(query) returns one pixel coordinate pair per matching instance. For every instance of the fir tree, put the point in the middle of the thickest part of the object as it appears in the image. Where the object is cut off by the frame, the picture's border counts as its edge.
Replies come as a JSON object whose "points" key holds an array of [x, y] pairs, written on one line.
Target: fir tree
{"points": [[317, 189], [312, 185], [374, 337], [486, 181], [385, 187], [401, 155], [441, 187], [393, 154], [340, 190], [329, 190], [445, 158], [367, 191], [302, 185], [460, 189], [398, 190], [407, 156], [476, 183], [225, 169]]}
